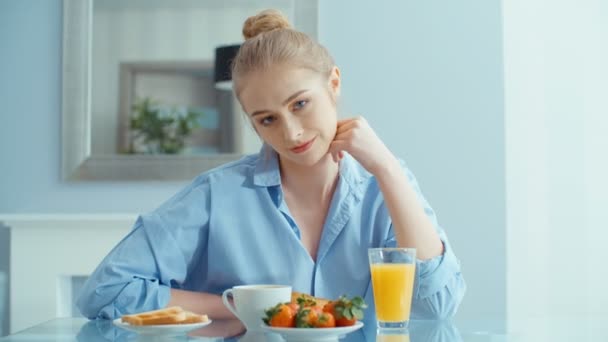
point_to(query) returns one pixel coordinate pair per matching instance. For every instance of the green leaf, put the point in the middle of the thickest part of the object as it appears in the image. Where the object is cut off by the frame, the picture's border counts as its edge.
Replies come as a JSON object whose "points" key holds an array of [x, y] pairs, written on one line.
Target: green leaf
{"points": [[358, 313], [359, 302], [301, 321]]}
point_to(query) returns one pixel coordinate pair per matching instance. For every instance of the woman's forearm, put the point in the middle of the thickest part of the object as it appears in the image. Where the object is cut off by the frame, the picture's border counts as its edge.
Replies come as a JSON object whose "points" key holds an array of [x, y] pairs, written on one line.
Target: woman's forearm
{"points": [[201, 303], [411, 225]]}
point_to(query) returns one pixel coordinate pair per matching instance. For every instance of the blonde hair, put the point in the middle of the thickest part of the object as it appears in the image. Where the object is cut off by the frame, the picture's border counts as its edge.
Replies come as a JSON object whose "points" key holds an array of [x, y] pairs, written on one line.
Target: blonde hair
{"points": [[270, 40]]}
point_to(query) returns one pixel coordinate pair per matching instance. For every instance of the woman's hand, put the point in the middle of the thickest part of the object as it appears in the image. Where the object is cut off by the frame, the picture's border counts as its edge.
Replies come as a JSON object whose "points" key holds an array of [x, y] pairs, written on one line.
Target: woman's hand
{"points": [[356, 137]]}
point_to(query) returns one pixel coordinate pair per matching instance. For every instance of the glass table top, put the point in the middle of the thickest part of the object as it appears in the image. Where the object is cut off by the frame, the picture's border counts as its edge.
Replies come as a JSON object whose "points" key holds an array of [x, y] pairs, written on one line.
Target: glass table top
{"points": [[527, 329]]}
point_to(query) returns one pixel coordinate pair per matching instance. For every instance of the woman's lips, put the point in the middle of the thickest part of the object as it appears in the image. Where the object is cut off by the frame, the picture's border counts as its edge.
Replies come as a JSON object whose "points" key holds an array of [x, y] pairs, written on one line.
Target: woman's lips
{"points": [[304, 147]]}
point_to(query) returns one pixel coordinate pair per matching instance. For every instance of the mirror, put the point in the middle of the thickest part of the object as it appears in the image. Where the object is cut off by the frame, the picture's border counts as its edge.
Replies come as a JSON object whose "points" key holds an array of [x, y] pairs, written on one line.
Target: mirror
{"points": [[140, 100]]}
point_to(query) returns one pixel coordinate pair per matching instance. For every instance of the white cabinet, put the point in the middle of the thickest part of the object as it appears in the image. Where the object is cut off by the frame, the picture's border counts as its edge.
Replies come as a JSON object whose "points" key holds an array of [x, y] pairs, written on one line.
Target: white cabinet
{"points": [[45, 250]]}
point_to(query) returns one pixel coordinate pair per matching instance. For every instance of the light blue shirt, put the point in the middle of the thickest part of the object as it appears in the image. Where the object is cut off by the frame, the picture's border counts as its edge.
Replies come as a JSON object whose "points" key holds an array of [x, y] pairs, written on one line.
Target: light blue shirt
{"points": [[231, 226]]}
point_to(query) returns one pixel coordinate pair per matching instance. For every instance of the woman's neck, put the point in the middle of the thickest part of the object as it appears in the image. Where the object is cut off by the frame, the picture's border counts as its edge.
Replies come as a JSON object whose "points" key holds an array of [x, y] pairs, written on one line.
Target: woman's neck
{"points": [[314, 183]]}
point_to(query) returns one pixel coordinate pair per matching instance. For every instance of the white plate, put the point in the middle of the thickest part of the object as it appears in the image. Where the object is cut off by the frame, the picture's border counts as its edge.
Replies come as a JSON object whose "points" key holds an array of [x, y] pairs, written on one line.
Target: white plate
{"points": [[161, 329], [313, 334]]}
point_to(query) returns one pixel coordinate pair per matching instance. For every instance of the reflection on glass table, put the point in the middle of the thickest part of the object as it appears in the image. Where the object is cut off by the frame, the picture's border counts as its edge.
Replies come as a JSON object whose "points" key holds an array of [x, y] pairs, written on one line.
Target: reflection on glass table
{"points": [[523, 329], [79, 329]]}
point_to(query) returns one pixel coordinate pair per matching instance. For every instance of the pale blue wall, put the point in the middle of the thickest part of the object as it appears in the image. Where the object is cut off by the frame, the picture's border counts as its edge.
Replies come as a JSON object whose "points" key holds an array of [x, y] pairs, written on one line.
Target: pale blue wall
{"points": [[426, 74], [428, 77], [30, 123]]}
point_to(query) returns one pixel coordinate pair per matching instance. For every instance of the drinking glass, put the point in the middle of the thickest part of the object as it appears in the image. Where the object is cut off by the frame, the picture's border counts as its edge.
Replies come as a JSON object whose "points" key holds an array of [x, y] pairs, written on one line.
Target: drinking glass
{"points": [[393, 271]]}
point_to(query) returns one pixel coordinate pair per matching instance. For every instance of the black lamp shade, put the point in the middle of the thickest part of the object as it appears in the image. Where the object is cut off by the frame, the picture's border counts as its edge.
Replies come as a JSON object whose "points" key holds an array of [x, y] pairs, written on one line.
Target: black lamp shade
{"points": [[224, 55]]}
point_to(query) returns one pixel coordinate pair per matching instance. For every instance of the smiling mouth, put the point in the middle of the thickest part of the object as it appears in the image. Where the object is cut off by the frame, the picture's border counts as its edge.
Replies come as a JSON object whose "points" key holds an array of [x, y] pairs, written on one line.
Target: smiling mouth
{"points": [[304, 147]]}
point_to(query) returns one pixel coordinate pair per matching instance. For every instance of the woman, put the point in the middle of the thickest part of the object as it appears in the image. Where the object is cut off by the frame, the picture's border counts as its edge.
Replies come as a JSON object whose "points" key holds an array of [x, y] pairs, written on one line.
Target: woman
{"points": [[303, 212]]}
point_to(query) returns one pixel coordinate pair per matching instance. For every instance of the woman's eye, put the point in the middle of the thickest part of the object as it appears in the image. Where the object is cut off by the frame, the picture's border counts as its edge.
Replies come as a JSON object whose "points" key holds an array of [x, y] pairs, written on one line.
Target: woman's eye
{"points": [[266, 121], [299, 104]]}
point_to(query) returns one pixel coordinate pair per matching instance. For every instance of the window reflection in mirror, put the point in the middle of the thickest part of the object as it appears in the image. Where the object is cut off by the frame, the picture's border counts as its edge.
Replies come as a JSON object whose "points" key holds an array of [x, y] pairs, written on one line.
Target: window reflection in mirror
{"points": [[152, 86]]}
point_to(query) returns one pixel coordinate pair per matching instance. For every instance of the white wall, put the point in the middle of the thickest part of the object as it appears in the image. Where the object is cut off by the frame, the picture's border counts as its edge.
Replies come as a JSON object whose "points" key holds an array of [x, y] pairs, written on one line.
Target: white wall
{"points": [[556, 85], [428, 77]]}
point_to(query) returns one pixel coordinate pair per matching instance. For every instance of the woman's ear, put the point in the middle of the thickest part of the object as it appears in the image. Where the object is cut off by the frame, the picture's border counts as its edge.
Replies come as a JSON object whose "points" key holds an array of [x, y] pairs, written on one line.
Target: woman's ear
{"points": [[334, 82]]}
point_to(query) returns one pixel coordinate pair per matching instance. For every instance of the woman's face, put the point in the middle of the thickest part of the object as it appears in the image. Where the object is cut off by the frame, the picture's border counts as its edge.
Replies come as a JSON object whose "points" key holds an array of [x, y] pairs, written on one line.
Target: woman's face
{"points": [[293, 110]]}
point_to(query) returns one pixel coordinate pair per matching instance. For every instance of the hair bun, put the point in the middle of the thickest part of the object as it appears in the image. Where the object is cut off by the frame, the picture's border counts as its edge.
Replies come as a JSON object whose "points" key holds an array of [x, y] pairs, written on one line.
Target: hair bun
{"points": [[265, 21]]}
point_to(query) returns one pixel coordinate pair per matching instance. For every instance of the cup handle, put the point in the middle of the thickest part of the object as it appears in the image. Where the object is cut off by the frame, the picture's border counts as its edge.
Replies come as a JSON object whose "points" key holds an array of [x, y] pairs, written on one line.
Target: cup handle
{"points": [[227, 302]]}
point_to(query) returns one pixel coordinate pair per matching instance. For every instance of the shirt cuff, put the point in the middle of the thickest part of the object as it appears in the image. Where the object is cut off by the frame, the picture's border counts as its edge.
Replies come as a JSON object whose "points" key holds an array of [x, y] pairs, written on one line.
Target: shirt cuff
{"points": [[434, 274], [164, 295], [138, 296]]}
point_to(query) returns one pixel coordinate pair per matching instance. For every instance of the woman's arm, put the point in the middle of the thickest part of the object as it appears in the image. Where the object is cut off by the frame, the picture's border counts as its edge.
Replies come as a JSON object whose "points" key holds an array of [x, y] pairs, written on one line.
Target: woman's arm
{"points": [[132, 278], [139, 273], [411, 225], [439, 283]]}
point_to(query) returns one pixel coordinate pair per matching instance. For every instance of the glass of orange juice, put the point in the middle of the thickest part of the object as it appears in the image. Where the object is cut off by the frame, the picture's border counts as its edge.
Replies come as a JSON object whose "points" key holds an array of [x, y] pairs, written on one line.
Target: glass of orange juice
{"points": [[393, 271]]}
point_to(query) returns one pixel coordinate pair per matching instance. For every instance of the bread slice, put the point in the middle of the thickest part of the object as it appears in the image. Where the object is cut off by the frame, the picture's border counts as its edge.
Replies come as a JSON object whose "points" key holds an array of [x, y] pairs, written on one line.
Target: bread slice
{"points": [[191, 317]]}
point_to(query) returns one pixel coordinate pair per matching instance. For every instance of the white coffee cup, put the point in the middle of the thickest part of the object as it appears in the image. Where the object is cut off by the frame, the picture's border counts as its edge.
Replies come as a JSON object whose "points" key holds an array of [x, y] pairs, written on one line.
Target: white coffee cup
{"points": [[250, 301]]}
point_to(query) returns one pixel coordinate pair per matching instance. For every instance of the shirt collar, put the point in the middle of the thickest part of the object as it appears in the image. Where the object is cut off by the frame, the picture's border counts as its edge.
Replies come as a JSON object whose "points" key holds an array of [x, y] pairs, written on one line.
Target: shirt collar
{"points": [[267, 171], [353, 174]]}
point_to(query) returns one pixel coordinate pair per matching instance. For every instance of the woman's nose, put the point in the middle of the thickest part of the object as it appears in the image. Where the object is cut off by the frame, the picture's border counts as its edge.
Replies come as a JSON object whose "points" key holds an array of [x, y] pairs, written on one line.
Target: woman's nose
{"points": [[292, 130]]}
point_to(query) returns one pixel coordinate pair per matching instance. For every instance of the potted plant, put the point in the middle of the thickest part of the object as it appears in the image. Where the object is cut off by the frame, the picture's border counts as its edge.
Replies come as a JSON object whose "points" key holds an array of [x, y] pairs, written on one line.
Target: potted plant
{"points": [[160, 129]]}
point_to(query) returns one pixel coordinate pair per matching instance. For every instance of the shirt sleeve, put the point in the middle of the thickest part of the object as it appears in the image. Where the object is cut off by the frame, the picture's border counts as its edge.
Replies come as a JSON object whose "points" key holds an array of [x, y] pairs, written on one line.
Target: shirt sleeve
{"points": [[439, 286], [138, 273]]}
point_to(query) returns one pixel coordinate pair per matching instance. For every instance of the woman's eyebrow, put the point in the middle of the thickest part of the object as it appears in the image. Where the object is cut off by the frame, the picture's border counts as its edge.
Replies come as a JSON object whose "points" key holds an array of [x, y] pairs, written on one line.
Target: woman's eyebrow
{"points": [[294, 95]]}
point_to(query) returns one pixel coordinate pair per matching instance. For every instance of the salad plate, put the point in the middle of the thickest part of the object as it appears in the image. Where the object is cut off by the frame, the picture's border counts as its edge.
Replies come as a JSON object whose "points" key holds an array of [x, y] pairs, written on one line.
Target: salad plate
{"points": [[312, 334]]}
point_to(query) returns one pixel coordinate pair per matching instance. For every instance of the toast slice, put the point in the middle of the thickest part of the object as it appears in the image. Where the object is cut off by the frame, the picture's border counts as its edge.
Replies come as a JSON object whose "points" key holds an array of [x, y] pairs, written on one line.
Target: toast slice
{"points": [[191, 317]]}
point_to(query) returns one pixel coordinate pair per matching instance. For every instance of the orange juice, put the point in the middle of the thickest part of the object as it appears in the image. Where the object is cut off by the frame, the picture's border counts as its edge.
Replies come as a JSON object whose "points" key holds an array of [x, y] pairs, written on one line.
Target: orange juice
{"points": [[393, 285]]}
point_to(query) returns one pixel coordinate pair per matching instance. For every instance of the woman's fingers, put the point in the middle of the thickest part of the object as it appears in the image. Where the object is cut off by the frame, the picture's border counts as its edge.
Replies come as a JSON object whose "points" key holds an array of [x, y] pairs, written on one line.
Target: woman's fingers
{"points": [[336, 149], [346, 133], [344, 125]]}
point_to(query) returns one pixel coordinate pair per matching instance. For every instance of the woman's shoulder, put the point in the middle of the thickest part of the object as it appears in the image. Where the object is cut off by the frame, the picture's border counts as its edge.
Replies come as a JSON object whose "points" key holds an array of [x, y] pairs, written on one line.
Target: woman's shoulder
{"points": [[197, 191], [231, 171]]}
